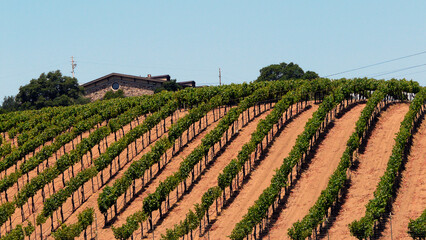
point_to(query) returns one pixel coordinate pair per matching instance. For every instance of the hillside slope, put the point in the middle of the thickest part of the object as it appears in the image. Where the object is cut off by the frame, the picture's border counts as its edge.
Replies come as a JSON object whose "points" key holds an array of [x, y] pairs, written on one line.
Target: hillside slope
{"points": [[411, 199], [372, 165], [209, 178], [261, 177], [315, 178]]}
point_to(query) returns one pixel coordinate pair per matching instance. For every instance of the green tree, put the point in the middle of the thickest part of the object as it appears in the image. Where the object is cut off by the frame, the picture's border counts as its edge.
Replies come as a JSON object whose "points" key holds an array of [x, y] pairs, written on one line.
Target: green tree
{"points": [[171, 85], [10, 104], [310, 75], [284, 71], [51, 89]]}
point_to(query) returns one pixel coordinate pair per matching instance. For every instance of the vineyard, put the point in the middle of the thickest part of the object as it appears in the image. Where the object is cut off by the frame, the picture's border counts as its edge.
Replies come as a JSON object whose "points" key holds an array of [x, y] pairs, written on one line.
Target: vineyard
{"points": [[294, 159]]}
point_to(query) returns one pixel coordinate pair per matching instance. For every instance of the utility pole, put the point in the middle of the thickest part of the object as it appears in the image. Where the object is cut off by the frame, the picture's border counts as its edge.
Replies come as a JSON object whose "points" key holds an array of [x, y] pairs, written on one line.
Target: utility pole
{"points": [[73, 65], [220, 78]]}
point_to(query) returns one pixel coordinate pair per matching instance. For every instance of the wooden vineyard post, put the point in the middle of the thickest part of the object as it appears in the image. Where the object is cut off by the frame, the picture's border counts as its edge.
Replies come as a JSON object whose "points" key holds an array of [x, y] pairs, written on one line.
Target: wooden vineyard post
{"points": [[96, 227]]}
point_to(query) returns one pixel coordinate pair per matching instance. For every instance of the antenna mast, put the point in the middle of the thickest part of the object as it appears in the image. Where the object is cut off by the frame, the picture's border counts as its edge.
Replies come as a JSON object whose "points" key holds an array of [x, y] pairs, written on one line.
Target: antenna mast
{"points": [[73, 65], [220, 78]]}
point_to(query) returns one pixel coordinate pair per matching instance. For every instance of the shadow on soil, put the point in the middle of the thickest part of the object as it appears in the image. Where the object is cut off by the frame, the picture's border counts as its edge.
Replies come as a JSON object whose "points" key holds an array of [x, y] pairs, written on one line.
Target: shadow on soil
{"points": [[282, 204]]}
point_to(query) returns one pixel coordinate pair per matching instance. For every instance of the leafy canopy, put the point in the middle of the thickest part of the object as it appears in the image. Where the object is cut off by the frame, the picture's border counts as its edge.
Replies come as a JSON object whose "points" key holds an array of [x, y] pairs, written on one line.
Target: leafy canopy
{"points": [[51, 89], [284, 71], [171, 85]]}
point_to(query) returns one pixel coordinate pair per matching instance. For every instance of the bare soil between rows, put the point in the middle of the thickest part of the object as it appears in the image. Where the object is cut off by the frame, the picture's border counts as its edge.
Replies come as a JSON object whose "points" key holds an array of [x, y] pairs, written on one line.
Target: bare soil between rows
{"points": [[260, 178], [411, 197], [370, 166], [314, 179]]}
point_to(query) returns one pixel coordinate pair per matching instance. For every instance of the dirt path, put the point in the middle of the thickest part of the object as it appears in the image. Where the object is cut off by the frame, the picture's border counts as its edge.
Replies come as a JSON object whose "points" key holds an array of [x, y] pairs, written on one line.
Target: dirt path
{"points": [[372, 165], [260, 178], [315, 178], [209, 178], [411, 199]]}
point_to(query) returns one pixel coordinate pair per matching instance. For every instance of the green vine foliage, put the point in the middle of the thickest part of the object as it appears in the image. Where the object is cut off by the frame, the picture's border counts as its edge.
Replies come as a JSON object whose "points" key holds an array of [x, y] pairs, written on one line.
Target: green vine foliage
{"points": [[111, 108], [110, 195], [231, 170], [12, 119], [376, 207], [5, 149], [258, 211], [153, 202], [16, 234], [57, 199], [192, 220], [344, 89], [65, 232], [303, 229], [29, 229], [29, 141], [104, 160], [264, 126], [132, 224], [103, 112], [40, 122], [44, 116], [6, 210], [417, 227]]}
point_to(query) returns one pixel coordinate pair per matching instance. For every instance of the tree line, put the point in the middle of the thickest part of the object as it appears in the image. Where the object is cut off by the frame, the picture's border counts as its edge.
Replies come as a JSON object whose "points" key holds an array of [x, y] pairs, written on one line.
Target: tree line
{"points": [[54, 89]]}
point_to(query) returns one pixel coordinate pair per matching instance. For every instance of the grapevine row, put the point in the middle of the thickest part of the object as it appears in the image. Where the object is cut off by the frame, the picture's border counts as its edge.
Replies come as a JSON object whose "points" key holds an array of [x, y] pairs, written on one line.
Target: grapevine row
{"points": [[36, 141], [304, 143], [376, 207], [85, 219], [65, 161], [304, 228], [87, 124], [353, 88], [44, 115], [73, 117], [417, 227], [5, 149], [109, 195], [230, 172], [10, 120], [104, 160], [153, 201], [65, 118]]}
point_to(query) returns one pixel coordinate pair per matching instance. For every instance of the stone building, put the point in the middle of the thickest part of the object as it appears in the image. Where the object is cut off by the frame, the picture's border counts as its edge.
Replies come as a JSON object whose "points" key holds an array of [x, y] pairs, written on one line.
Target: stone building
{"points": [[131, 85]]}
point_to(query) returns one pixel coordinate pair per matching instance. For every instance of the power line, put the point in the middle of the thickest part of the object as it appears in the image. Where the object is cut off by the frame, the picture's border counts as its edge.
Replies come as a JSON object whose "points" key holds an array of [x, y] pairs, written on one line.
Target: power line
{"points": [[157, 66], [411, 73], [379, 63], [398, 70]]}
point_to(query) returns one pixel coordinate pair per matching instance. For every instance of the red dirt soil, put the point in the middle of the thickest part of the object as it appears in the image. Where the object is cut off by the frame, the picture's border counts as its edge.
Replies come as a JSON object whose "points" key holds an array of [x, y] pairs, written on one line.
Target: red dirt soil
{"points": [[168, 170], [411, 199], [313, 180], [77, 168], [51, 160], [372, 165], [260, 178], [209, 179], [91, 197]]}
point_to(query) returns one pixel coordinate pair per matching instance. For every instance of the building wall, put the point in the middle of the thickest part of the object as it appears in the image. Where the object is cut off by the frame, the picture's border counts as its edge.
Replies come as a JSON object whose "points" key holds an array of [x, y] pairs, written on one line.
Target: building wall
{"points": [[131, 87]]}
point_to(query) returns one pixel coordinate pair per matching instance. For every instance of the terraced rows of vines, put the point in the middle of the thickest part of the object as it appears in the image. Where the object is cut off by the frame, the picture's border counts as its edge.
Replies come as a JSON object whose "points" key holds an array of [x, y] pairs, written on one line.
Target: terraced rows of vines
{"points": [[295, 159]]}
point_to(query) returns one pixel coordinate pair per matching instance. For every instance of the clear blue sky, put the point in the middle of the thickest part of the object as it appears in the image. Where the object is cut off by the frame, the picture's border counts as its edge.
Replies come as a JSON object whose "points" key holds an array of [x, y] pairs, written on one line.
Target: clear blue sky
{"points": [[190, 40]]}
